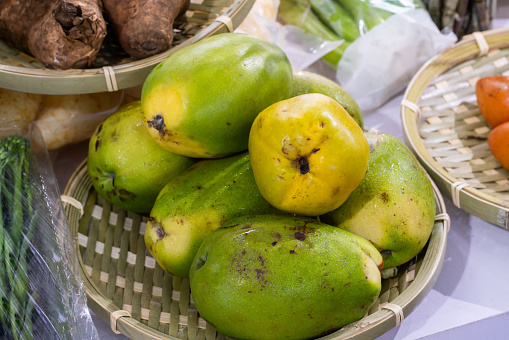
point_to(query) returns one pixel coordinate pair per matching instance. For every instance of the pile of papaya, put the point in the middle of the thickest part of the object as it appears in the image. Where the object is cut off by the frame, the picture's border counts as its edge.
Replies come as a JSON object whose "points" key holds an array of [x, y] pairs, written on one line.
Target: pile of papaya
{"points": [[261, 185], [492, 95]]}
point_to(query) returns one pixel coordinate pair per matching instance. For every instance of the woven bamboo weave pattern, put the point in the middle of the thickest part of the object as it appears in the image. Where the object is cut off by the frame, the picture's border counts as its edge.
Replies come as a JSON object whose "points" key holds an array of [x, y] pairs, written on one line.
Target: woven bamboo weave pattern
{"points": [[455, 132], [120, 275]]}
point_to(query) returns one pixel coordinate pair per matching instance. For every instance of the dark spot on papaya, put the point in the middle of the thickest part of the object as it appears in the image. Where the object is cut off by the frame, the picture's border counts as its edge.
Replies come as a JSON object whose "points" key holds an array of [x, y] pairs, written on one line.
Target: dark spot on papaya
{"points": [[157, 123], [315, 150], [126, 192], [385, 197], [198, 187], [273, 243], [293, 252], [259, 273], [303, 165], [97, 144], [310, 316], [234, 225], [227, 123], [247, 226], [283, 150], [159, 232], [243, 252], [371, 147], [300, 236], [99, 128], [200, 262], [249, 291], [322, 124]]}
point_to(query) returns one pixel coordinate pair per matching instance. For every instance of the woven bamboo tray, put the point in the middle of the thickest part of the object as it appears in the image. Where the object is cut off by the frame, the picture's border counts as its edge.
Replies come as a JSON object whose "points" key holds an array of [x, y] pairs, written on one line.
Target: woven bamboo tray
{"points": [[444, 127], [126, 287], [21, 72]]}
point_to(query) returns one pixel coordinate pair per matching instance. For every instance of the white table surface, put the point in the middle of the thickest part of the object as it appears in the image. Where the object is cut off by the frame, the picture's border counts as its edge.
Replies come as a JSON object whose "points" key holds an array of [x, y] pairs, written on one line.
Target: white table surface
{"points": [[470, 299]]}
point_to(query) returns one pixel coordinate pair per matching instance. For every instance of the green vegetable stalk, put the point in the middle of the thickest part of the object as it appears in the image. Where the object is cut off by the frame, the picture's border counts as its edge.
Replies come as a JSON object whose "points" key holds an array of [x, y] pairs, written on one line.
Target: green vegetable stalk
{"points": [[365, 14], [336, 18], [299, 13], [17, 225]]}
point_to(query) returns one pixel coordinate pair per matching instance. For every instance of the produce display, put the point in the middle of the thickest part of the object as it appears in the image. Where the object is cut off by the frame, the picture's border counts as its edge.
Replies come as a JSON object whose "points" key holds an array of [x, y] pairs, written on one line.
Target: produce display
{"points": [[64, 34], [340, 20], [492, 95], [258, 270]]}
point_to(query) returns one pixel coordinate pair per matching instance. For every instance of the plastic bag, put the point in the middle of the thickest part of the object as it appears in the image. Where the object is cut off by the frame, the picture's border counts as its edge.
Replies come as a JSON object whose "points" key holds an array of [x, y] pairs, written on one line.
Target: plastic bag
{"points": [[382, 43], [380, 64], [42, 295], [62, 119], [301, 47]]}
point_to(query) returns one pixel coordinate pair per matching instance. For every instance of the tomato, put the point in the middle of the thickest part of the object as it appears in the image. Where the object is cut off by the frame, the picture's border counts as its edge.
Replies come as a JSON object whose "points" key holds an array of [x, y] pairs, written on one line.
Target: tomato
{"points": [[493, 99], [498, 141], [308, 154]]}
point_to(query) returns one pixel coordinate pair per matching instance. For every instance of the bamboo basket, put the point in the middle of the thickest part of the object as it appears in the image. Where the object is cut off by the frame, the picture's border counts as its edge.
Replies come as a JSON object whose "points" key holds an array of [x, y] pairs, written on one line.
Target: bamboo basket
{"points": [[21, 72], [444, 127], [127, 289]]}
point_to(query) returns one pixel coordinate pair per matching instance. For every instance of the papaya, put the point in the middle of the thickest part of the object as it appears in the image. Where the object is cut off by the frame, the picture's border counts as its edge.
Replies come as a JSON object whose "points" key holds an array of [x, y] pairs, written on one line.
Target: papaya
{"points": [[394, 206], [308, 154], [195, 203], [201, 101], [126, 166], [283, 277], [305, 82]]}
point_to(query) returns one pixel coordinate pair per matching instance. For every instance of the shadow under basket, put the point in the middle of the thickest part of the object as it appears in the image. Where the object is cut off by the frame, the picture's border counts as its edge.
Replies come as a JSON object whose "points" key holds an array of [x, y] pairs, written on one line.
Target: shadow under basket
{"points": [[444, 127], [126, 287]]}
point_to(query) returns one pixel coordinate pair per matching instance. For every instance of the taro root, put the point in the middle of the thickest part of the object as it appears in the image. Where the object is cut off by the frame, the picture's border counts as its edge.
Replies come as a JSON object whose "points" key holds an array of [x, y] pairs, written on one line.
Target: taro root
{"points": [[144, 28], [60, 34]]}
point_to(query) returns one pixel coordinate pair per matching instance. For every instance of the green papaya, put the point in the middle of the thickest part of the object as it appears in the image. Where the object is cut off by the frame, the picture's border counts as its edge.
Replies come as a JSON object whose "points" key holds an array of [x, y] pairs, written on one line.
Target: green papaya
{"points": [[126, 166], [309, 82], [201, 101], [394, 206], [283, 277], [195, 203]]}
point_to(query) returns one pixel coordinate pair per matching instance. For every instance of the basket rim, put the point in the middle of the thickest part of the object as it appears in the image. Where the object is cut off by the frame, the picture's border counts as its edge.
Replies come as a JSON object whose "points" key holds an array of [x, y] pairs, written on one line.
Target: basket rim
{"points": [[462, 51], [370, 326], [114, 77]]}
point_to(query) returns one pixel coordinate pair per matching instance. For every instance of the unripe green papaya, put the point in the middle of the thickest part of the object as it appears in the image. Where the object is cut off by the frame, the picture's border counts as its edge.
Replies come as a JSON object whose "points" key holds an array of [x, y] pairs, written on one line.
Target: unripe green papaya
{"points": [[126, 166], [394, 206], [202, 100], [308, 82], [195, 203], [283, 277]]}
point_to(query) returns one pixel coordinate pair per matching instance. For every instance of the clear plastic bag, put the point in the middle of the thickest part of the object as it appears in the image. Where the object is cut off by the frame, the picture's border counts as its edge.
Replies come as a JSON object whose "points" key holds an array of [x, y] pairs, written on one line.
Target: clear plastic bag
{"points": [[42, 295], [381, 44]]}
